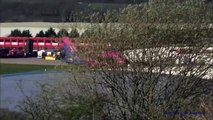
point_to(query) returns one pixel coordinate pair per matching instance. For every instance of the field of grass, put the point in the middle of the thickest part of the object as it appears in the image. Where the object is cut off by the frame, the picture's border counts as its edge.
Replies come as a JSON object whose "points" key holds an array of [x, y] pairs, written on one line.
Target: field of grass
{"points": [[17, 68]]}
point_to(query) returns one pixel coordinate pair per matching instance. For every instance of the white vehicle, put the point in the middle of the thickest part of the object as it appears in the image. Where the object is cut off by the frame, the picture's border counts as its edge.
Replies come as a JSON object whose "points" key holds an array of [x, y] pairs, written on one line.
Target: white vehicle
{"points": [[147, 54], [41, 53]]}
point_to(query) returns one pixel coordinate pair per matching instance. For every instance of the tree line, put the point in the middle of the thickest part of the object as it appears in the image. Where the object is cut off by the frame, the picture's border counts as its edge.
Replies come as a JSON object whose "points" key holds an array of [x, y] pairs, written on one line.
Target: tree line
{"points": [[48, 33]]}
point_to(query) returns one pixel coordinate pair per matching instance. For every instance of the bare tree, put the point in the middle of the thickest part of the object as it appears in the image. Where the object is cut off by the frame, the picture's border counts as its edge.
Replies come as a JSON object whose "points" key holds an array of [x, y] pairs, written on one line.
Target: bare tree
{"points": [[170, 69], [168, 46]]}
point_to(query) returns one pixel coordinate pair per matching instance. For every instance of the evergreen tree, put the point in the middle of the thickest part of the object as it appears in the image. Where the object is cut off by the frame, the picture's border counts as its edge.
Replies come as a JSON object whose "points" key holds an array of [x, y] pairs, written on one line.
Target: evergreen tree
{"points": [[74, 33], [50, 32], [15, 33], [63, 33], [26, 33], [40, 34]]}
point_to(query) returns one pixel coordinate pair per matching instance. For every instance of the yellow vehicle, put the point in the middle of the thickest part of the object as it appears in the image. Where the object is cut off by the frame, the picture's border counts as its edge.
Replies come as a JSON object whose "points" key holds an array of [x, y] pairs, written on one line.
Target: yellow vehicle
{"points": [[53, 55]]}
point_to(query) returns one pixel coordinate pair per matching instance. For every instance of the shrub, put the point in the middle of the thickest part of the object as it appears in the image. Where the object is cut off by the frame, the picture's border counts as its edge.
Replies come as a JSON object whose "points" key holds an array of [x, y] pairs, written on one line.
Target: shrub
{"points": [[74, 33]]}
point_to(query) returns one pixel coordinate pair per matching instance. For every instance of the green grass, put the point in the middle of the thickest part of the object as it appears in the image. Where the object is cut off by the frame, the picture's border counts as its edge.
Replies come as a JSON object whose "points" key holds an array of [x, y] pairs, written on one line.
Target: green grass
{"points": [[17, 68]]}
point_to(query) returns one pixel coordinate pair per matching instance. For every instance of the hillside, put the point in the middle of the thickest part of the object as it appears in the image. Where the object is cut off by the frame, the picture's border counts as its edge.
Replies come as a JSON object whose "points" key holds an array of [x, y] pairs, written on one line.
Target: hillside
{"points": [[56, 10]]}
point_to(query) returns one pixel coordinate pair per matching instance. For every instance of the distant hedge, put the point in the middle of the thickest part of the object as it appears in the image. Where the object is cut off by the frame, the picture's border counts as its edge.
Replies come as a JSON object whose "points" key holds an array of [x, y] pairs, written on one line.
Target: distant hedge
{"points": [[18, 33], [49, 33]]}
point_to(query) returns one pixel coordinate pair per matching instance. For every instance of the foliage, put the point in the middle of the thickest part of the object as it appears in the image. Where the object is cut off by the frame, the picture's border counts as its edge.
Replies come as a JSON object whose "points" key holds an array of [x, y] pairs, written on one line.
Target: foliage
{"points": [[91, 32], [18, 33], [15, 33], [26, 33], [158, 79], [55, 102], [50, 32], [11, 115], [74, 33], [63, 33], [87, 33], [40, 34], [155, 82]]}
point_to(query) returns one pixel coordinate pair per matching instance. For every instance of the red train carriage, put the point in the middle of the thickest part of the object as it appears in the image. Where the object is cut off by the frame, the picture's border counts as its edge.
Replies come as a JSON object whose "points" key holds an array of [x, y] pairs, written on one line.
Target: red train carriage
{"points": [[38, 42]]}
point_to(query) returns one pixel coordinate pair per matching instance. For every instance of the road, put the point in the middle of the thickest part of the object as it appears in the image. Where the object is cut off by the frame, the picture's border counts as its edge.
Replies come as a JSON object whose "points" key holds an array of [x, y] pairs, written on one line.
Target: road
{"points": [[11, 85]]}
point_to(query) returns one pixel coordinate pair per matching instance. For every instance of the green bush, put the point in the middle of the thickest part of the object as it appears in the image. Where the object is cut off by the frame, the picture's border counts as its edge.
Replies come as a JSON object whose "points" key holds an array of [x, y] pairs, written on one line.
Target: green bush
{"points": [[6, 114], [40, 34], [18, 33], [74, 33], [50, 33], [63, 33]]}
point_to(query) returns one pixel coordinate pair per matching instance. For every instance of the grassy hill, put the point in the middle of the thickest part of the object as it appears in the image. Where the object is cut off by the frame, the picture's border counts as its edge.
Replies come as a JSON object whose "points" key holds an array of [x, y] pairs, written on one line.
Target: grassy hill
{"points": [[55, 10]]}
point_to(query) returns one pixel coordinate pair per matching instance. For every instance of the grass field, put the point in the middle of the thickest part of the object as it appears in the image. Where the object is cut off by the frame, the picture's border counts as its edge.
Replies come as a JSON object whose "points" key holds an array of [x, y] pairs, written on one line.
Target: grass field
{"points": [[17, 68]]}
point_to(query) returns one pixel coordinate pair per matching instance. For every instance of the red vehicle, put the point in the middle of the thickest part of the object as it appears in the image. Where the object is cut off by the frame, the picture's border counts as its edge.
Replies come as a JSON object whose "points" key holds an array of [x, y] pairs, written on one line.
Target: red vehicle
{"points": [[38, 42], [17, 46], [92, 59], [107, 59], [3, 52], [16, 53]]}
